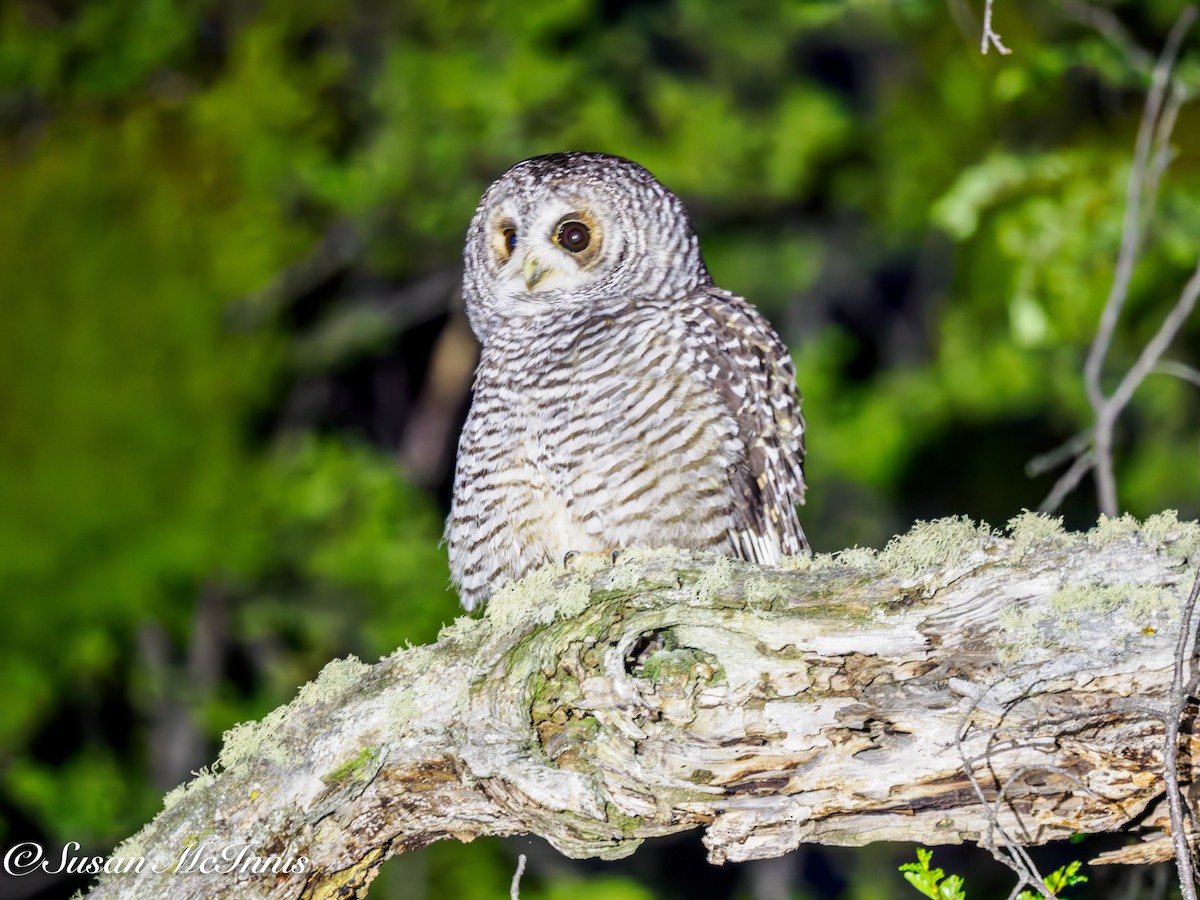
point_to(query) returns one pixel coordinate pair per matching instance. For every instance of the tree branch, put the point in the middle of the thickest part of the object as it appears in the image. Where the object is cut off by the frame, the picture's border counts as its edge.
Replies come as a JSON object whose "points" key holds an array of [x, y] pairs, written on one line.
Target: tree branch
{"points": [[989, 37], [1151, 156], [957, 686], [1149, 134]]}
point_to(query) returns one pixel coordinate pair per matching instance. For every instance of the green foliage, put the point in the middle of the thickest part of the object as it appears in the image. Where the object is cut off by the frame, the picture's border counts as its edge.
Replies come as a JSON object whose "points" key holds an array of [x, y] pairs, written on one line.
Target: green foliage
{"points": [[933, 883], [1057, 881], [933, 231]]}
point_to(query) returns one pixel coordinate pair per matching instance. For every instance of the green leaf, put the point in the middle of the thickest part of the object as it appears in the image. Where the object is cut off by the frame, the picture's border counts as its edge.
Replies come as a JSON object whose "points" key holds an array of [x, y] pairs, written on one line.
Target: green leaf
{"points": [[930, 881]]}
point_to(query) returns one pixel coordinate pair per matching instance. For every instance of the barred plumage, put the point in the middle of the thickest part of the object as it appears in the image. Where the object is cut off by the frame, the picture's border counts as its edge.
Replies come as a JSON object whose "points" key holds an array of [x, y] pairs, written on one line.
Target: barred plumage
{"points": [[621, 398]]}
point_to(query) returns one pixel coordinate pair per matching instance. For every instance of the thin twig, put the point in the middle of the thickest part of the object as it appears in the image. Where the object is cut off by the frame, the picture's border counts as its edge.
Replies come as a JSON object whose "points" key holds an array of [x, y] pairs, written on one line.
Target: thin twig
{"points": [[1164, 153], [1040, 884], [1065, 453], [1060, 455], [1154, 350], [1067, 482], [514, 890], [1007, 851], [1132, 229], [1152, 154], [990, 37], [1179, 370], [1184, 652]]}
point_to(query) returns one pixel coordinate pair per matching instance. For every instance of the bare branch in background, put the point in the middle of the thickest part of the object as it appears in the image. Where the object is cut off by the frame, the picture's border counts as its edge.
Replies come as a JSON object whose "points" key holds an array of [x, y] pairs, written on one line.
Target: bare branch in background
{"points": [[1180, 371], [1068, 481], [990, 38], [1152, 154], [1133, 226], [514, 891], [1064, 453]]}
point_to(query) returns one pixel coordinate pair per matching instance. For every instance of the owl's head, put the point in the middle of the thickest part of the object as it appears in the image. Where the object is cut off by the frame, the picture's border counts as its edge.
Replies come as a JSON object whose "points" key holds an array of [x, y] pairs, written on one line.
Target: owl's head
{"points": [[575, 232]]}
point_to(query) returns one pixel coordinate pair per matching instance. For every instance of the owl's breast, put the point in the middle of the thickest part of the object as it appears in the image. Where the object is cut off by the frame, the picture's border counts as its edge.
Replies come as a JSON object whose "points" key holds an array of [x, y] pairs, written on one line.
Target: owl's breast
{"points": [[603, 439], [638, 447]]}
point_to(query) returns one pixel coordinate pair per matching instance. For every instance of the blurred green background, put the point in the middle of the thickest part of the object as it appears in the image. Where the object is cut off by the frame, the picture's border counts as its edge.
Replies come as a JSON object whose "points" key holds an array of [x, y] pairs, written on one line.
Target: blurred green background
{"points": [[233, 363]]}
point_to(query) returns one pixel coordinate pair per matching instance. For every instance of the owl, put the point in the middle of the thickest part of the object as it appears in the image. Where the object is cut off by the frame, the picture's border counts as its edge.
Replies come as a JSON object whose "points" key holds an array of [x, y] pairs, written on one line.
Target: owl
{"points": [[622, 399]]}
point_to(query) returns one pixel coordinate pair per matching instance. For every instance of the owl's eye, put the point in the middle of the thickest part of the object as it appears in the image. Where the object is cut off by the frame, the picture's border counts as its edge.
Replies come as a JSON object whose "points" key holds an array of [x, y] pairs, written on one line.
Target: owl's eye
{"points": [[574, 236], [510, 239]]}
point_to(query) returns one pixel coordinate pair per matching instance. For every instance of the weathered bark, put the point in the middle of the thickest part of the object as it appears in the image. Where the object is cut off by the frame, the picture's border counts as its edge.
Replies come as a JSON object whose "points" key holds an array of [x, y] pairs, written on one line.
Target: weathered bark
{"points": [[843, 700]]}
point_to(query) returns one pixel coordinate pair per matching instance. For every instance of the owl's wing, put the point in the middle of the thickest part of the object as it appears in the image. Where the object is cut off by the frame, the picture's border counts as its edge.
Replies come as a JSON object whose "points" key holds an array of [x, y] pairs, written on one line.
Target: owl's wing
{"points": [[756, 379]]}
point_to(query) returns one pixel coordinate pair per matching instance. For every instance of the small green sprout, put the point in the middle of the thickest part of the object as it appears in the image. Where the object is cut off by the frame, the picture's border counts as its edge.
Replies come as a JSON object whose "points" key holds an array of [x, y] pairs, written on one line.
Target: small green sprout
{"points": [[933, 883], [1057, 881]]}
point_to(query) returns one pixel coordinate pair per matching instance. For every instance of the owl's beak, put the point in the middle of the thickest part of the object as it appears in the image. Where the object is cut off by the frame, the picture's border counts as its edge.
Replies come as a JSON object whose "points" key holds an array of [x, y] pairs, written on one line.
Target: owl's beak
{"points": [[533, 271]]}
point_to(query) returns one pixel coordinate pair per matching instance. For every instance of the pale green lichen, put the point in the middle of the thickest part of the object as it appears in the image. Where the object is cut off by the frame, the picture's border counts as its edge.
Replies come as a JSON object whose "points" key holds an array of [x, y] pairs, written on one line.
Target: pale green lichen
{"points": [[462, 629], [856, 557], [761, 593], [625, 576], [573, 597], [716, 576], [338, 677], [553, 591], [929, 544], [249, 741], [204, 777], [1019, 632], [135, 845], [1031, 529], [533, 598], [1072, 604], [359, 767], [1179, 539], [861, 559], [800, 563], [1109, 530], [400, 707]]}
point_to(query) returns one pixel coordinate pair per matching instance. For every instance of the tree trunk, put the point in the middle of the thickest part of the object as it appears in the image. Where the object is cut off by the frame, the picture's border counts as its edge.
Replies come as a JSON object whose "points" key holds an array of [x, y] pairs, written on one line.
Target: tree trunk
{"points": [[955, 684]]}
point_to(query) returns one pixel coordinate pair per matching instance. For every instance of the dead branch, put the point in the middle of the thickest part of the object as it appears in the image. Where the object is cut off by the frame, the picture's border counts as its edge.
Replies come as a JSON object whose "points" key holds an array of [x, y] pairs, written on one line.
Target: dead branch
{"points": [[956, 684], [989, 38], [1152, 153]]}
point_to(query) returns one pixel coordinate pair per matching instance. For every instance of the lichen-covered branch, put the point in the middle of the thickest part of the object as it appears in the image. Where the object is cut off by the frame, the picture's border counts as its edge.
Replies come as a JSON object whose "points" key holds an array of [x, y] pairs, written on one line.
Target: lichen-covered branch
{"points": [[851, 698]]}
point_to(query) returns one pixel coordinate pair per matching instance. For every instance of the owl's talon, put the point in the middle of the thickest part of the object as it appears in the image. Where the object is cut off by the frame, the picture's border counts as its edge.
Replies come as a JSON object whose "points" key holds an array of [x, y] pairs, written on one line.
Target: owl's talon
{"points": [[568, 556], [616, 554]]}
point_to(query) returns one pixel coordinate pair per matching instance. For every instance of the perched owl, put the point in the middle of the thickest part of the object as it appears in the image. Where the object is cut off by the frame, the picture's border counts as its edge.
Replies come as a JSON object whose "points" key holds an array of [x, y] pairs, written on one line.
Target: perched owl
{"points": [[622, 399]]}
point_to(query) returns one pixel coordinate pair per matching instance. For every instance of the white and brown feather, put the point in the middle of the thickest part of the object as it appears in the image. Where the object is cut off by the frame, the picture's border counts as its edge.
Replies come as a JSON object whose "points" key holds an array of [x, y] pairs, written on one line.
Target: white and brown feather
{"points": [[634, 405]]}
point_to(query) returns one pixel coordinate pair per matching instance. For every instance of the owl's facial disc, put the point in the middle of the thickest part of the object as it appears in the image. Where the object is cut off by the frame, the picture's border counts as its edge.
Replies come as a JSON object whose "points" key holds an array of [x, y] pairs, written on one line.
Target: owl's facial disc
{"points": [[575, 233], [555, 247]]}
